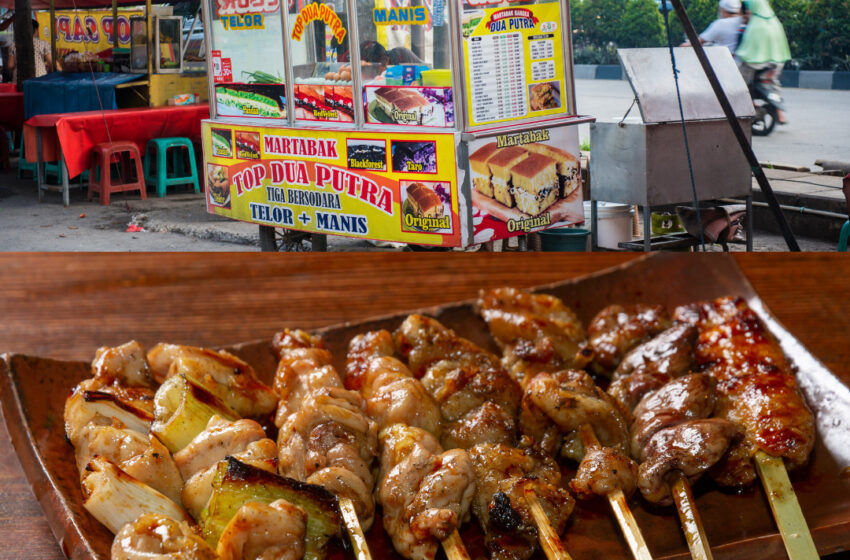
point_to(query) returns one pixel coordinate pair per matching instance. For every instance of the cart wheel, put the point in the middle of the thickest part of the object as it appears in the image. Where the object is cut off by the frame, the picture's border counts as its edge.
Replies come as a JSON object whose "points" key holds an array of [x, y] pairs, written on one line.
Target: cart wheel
{"points": [[274, 239]]}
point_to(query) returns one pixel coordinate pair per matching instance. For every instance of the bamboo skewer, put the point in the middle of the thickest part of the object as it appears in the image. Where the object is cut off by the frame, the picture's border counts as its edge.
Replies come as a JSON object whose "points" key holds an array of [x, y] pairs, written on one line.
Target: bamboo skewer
{"points": [[690, 519], [355, 531], [549, 539], [786, 509], [624, 515], [454, 547]]}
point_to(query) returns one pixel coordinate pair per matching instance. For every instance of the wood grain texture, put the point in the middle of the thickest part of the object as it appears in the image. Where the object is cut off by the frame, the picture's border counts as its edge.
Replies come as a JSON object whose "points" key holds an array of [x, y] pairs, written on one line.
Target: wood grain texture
{"points": [[65, 306]]}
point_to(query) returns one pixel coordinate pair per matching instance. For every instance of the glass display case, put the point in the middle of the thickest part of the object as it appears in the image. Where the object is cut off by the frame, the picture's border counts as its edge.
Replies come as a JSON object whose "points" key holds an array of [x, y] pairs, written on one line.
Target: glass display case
{"points": [[138, 44], [168, 38], [423, 121]]}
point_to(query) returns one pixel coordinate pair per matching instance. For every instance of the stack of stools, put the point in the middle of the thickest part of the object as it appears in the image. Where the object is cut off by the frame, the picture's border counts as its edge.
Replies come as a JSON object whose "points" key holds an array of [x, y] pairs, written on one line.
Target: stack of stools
{"points": [[126, 156], [157, 153]]}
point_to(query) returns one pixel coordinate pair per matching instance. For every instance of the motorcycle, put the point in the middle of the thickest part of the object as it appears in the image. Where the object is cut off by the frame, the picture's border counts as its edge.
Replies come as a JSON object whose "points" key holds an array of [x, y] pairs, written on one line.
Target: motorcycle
{"points": [[767, 101]]}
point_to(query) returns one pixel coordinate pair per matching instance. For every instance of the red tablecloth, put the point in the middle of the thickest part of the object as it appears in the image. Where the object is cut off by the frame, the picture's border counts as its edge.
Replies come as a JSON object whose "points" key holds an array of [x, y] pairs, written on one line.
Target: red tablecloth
{"points": [[6, 87], [76, 133], [11, 109]]}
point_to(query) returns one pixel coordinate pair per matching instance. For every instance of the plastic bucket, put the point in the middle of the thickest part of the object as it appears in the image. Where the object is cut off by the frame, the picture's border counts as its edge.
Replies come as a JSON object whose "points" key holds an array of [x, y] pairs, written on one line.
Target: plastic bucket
{"points": [[614, 223], [564, 239]]}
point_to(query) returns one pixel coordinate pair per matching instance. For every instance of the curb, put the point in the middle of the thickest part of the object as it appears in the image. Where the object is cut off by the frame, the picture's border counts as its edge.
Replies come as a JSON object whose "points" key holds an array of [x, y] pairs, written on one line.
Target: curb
{"points": [[810, 79]]}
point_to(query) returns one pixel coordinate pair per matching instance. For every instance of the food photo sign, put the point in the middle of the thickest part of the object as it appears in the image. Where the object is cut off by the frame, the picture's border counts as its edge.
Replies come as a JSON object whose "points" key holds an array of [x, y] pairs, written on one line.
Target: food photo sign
{"points": [[400, 187], [525, 181]]}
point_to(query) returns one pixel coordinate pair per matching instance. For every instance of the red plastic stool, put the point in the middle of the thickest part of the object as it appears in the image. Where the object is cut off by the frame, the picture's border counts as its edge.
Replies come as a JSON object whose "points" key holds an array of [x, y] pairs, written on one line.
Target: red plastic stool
{"points": [[125, 154]]}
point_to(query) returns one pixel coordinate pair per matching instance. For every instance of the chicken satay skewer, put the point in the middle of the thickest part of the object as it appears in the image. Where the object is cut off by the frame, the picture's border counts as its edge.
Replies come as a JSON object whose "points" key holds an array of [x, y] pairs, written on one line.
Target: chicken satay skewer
{"points": [[539, 333], [736, 346], [369, 369], [305, 373], [374, 369], [494, 388], [617, 499]]}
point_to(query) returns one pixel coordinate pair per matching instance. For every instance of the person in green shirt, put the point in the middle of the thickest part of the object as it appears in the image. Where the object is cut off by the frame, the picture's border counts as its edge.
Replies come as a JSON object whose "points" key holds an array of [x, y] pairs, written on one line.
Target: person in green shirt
{"points": [[763, 45]]}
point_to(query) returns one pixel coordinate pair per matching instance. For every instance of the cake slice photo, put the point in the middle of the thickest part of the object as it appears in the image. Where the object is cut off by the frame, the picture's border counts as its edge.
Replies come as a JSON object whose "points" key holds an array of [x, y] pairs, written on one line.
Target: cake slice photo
{"points": [[534, 183]]}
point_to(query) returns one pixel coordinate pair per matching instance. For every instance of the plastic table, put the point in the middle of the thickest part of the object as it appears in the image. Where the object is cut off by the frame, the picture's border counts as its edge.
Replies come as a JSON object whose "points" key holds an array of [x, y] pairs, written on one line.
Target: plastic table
{"points": [[69, 137]]}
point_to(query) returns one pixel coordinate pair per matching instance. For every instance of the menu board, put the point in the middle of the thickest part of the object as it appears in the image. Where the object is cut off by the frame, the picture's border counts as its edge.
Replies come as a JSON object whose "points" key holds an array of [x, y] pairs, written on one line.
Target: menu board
{"points": [[393, 187], [514, 62], [247, 59]]}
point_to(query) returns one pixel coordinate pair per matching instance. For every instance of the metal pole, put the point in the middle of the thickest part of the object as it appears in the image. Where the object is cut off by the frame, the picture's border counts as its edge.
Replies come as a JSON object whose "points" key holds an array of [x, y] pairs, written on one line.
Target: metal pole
{"points": [[114, 29], [53, 33], [24, 47], [149, 39], [764, 184]]}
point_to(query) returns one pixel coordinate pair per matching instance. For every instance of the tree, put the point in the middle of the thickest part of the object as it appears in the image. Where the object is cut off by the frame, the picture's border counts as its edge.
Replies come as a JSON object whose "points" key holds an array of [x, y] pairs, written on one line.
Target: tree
{"points": [[24, 47], [626, 23]]}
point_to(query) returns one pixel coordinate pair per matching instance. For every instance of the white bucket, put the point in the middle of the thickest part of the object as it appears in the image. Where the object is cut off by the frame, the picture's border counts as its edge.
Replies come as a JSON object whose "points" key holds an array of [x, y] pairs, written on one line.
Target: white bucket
{"points": [[613, 221]]}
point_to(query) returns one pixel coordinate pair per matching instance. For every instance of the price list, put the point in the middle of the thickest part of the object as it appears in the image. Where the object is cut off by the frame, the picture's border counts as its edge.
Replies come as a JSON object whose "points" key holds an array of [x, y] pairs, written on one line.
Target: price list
{"points": [[497, 77]]}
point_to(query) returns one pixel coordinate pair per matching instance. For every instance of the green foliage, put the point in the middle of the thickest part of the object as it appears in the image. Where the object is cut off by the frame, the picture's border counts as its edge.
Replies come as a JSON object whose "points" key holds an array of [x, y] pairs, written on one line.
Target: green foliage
{"points": [[625, 23], [818, 30]]}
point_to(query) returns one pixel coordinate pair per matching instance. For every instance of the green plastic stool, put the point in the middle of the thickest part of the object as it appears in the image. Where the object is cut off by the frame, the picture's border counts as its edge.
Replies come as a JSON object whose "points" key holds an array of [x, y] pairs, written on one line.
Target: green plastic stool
{"points": [[23, 164], [843, 238], [157, 149]]}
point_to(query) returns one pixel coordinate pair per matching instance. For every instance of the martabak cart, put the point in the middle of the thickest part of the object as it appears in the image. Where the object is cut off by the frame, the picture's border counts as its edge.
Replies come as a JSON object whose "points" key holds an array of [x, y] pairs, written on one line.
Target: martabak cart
{"points": [[416, 121]]}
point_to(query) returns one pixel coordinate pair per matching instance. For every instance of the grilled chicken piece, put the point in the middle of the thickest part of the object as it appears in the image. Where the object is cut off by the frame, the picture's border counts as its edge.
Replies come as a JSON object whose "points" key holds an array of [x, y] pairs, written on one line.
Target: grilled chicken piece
{"points": [[756, 387], [220, 439], [487, 423], [569, 399], [264, 532], [670, 353], [502, 473], [221, 373], [425, 492], [392, 394], [618, 328], [691, 448], [141, 456], [536, 332], [628, 391], [305, 365], [458, 374], [196, 493], [325, 435], [125, 365], [158, 536], [101, 402], [687, 398], [603, 470]]}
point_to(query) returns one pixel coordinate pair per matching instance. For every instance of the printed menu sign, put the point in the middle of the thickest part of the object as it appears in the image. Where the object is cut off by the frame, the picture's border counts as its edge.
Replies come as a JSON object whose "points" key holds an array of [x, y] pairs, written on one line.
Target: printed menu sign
{"points": [[393, 187], [514, 62]]}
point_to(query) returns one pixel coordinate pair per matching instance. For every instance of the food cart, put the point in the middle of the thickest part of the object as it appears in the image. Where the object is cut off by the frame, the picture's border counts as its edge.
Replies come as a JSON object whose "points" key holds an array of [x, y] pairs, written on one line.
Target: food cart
{"points": [[416, 121]]}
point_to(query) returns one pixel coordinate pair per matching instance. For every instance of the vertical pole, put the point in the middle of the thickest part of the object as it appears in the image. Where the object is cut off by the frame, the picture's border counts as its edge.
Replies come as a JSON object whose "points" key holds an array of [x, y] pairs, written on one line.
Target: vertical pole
{"points": [[53, 33], [150, 40], [24, 48], [114, 29]]}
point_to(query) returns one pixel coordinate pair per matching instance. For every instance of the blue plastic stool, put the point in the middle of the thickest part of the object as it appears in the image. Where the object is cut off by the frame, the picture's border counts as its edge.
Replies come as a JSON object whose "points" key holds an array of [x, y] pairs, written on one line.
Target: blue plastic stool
{"points": [[157, 150], [843, 238]]}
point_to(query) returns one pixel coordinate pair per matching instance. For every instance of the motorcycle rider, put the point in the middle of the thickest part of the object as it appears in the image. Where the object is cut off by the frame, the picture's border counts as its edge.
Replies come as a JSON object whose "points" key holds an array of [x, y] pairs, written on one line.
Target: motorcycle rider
{"points": [[726, 29], [763, 46]]}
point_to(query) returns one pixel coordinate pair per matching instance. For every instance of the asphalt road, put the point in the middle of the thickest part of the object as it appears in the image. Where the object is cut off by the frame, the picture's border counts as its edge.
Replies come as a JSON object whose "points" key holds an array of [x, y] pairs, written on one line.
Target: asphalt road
{"points": [[819, 121]]}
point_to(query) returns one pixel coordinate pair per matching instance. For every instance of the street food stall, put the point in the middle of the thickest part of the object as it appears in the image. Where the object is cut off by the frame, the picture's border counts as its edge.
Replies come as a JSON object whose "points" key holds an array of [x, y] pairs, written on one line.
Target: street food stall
{"points": [[415, 121]]}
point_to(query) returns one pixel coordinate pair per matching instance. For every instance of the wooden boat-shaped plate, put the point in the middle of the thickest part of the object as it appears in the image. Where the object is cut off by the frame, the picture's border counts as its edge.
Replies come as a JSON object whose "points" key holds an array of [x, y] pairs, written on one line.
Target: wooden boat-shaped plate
{"points": [[34, 389]]}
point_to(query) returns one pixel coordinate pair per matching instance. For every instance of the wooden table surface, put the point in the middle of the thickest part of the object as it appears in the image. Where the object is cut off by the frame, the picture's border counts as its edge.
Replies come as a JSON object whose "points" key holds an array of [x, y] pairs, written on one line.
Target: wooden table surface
{"points": [[66, 305]]}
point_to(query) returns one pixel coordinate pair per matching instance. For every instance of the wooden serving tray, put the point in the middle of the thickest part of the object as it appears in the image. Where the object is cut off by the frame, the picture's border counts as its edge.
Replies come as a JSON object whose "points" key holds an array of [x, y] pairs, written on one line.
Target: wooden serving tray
{"points": [[33, 391]]}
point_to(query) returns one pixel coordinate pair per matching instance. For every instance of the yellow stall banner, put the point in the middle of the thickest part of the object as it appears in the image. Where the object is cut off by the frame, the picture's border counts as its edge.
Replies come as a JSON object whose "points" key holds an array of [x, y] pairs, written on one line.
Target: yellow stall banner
{"points": [[87, 30], [398, 187], [514, 62]]}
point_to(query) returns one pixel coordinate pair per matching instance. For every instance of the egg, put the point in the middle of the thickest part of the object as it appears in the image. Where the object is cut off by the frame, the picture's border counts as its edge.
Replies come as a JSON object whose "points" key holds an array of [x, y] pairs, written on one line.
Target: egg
{"points": [[330, 76]]}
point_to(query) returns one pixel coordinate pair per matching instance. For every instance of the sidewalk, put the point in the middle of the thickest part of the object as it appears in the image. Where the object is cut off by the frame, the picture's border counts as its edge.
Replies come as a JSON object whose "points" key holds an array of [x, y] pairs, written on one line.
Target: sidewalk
{"points": [[180, 222]]}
